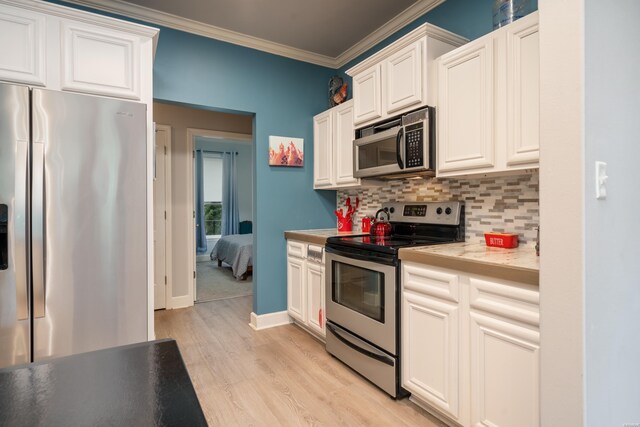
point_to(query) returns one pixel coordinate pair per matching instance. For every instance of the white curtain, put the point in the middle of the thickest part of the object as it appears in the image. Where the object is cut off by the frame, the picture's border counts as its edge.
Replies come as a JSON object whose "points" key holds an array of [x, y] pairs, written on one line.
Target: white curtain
{"points": [[230, 210]]}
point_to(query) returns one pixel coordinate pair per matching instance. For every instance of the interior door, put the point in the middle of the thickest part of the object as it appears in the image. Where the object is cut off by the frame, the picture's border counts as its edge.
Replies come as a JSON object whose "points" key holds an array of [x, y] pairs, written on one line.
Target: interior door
{"points": [[160, 216]]}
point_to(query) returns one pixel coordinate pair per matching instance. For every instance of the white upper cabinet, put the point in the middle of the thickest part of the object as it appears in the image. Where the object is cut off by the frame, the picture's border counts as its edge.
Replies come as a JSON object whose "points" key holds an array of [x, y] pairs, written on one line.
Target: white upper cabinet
{"points": [[404, 74], [343, 145], [100, 61], [333, 135], [61, 48], [488, 103], [397, 78], [322, 150], [523, 92], [22, 46], [366, 93], [465, 109]]}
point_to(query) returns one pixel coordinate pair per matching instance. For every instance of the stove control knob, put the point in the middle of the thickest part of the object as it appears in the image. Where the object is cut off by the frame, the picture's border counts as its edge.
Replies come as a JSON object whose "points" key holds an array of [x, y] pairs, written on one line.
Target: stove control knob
{"points": [[447, 211], [439, 211], [392, 210]]}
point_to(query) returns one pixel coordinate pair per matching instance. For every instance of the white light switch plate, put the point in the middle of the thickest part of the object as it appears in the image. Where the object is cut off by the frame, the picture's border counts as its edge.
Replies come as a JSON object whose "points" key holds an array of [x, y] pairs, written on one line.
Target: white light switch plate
{"points": [[601, 180]]}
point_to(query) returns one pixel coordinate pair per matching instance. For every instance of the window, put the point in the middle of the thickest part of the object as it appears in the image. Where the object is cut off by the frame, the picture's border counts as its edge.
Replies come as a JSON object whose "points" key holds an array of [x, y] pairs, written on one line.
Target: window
{"points": [[212, 181]]}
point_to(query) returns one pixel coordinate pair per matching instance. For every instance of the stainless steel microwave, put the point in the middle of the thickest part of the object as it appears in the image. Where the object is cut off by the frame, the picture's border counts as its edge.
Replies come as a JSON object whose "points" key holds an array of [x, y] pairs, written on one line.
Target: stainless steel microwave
{"points": [[401, 146]]}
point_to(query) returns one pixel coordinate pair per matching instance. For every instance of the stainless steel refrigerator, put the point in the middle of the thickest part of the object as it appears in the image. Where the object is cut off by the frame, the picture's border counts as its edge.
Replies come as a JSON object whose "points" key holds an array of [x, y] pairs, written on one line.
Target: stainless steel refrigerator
{"points": [[73, 223]]}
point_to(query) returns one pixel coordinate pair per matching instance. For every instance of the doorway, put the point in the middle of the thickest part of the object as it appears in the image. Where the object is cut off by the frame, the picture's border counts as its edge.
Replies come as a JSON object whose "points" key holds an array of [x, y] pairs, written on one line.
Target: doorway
{"points": [[223, 206]]}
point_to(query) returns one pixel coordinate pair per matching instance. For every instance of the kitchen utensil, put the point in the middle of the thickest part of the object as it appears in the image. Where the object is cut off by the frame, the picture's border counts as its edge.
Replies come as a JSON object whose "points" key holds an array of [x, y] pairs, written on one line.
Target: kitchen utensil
{"points": [[381, 227]]}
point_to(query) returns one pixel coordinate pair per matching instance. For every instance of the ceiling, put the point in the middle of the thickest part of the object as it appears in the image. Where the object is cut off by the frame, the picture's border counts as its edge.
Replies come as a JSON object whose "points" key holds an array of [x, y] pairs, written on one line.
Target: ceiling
{"points": [[328, 32]]}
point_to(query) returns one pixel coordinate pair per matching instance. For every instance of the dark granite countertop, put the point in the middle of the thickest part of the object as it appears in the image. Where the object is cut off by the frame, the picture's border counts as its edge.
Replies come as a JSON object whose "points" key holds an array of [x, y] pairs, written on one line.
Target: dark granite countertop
{"points": [[143, 384]]}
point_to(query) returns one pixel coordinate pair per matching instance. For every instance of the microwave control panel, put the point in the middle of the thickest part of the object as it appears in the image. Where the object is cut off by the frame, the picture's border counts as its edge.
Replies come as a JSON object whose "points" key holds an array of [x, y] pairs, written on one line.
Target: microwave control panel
{"points": [[414, 143]]}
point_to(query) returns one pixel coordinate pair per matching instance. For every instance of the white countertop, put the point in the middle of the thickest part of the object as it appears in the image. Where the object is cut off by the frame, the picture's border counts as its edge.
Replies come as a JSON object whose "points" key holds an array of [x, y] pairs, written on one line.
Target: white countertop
{"points": [[518, 264]]}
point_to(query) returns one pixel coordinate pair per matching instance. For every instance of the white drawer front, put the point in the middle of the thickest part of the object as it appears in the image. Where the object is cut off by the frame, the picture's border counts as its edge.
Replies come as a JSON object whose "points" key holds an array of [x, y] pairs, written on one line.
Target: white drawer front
{"points": [[429, 281], [517, 302], [296, 249]]}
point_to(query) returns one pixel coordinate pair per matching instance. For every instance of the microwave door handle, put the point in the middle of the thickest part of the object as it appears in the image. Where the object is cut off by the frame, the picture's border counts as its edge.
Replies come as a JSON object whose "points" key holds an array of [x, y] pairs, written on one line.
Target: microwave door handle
{"points": [[399, 146]]}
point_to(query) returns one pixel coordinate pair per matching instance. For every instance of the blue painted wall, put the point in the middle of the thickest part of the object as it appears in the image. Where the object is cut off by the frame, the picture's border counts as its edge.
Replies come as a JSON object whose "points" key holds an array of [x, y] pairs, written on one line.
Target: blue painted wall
{"points": [[284, 95]]}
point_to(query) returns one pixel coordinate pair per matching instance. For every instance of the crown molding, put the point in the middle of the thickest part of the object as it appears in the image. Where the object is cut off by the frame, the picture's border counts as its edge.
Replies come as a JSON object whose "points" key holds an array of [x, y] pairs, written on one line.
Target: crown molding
{"points": [[396, 23], [77, 15], [120, 7], [424, 30], [164, 19]]}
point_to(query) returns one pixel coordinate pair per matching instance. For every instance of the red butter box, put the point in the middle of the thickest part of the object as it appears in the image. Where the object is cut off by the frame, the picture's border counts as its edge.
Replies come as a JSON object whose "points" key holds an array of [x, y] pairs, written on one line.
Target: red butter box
{"points": [[501, 240]]}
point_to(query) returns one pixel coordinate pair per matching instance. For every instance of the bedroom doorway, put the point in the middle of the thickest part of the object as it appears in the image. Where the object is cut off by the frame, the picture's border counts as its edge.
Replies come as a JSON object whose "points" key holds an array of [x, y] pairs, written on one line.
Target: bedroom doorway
{"points": [[223, 202]]}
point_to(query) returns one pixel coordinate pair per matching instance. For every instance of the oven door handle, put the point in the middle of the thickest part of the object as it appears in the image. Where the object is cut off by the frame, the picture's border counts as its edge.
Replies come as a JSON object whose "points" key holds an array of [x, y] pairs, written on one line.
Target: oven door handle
{"points": [[376, 356], [368, 257]]}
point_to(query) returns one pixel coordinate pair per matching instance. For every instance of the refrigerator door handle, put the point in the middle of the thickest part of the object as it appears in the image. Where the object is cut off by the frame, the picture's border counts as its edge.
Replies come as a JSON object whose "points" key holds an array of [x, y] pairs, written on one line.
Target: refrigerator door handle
{"points": [[20, 230], [38, 231], [4, 236]]}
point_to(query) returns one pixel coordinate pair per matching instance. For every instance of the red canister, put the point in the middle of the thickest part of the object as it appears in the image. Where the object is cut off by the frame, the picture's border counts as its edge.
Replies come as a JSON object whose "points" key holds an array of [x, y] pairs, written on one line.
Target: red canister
{"points": [[366, 224]]}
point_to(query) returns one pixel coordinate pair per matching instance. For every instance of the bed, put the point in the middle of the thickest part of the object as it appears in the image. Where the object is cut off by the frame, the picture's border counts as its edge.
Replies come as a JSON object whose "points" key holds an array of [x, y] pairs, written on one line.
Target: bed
{"points": [[237, 251]]}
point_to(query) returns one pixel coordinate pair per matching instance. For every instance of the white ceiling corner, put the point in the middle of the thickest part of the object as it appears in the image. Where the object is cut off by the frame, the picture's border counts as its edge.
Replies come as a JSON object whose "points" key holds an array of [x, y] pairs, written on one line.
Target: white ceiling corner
{"points": [[164, 19]]}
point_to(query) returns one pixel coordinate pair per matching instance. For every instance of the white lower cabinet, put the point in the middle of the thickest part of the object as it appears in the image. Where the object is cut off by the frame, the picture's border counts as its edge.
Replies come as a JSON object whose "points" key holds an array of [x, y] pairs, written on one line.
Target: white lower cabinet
{"points": [[470, 346], [504, 372], [315, 297], [430, 349], [296, 291], [305, 289]]}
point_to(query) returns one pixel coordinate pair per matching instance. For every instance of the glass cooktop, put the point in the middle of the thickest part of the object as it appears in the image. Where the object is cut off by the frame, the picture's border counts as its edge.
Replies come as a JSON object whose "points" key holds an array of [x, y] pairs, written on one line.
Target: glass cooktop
{"points": [[389, 244]]}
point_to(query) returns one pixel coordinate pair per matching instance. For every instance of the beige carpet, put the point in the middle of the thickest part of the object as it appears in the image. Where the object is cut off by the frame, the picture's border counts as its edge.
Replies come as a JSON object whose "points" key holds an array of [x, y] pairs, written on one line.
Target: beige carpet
{"points": [[213, 282]]}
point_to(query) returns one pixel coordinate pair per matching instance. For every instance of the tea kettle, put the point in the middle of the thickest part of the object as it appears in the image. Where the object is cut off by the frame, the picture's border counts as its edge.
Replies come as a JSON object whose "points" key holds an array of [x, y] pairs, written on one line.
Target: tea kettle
{"points": [[381, 227]]}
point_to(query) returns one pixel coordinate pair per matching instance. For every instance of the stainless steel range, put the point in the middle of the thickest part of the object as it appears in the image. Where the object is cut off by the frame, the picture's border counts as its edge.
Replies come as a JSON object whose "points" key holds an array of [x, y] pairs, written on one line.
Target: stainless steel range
{"points": [[363, 285]]}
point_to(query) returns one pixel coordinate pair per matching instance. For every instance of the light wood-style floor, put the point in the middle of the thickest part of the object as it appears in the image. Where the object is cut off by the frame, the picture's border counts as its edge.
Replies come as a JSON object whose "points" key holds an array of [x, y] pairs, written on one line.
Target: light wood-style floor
{"points": [[275, 377]]}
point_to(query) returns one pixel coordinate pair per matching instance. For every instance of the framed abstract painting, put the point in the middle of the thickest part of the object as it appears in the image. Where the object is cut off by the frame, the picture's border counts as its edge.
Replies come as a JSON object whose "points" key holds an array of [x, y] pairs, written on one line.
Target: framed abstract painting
{"points": [[285, 151]]}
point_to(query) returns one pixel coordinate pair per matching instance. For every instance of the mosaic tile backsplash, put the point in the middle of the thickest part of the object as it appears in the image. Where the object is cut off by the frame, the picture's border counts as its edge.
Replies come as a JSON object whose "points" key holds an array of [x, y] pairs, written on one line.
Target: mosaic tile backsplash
{"points": [[507, 204]]}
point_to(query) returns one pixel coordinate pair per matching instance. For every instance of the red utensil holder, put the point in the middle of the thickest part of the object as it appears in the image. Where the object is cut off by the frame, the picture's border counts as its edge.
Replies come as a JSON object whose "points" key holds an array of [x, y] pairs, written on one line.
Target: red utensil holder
{"points": [[501, 240], [345, 224]]}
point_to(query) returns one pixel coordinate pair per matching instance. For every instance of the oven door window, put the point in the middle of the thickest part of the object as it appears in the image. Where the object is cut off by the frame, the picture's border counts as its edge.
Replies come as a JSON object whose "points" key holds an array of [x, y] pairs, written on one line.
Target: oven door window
{"points": [[359, 289]]}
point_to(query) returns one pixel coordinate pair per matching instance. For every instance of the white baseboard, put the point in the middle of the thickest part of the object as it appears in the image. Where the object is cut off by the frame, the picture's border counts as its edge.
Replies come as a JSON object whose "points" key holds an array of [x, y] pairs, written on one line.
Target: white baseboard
{"points": [[269, 320]]}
